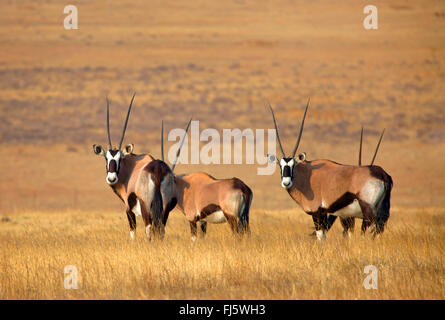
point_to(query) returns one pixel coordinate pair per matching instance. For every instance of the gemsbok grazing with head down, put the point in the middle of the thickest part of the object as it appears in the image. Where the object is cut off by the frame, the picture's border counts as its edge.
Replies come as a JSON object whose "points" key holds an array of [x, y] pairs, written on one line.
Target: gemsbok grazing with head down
{"points": [[324, 187], [145, 185], [202, 198], [349, 223]]}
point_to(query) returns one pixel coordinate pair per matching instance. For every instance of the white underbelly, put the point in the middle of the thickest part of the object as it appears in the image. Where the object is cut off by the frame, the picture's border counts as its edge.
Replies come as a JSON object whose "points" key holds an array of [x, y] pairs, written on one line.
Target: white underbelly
{"points": [[137, 208], [215, 217], [352, 210]]}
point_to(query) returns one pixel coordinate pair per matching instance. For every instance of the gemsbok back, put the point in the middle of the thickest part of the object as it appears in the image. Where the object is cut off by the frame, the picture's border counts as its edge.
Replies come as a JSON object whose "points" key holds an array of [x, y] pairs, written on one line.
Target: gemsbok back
{"points": [[324, 187], [145, 185], [203, 198]]}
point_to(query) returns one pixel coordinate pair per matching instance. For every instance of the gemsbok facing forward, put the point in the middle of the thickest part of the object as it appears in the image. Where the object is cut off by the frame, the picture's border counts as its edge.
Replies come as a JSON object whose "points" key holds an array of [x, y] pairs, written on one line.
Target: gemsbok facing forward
{"points": [[324, 187], [202, 198], [145, 185]]}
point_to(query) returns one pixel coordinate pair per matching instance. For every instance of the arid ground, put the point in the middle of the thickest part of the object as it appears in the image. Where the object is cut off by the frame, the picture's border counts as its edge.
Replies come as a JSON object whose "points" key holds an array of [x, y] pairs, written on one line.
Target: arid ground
{"points": [[218, 62]]}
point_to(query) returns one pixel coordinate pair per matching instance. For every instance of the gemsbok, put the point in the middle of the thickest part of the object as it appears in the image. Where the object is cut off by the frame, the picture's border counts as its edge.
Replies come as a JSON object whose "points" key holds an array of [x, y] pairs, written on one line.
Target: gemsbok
{"points": [[203, 198], [324, 187], [145, 185], [349, 223]]}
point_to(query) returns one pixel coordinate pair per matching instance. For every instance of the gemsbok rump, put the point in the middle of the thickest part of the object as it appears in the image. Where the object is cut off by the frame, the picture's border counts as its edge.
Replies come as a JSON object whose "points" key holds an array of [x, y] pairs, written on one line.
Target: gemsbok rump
{"points": [[202, 198], [145, 185], [324, 187]]}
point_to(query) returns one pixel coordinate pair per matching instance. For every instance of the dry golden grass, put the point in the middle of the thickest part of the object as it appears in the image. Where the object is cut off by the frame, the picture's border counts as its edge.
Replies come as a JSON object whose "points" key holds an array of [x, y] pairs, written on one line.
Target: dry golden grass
{"points": [[279, 261]]}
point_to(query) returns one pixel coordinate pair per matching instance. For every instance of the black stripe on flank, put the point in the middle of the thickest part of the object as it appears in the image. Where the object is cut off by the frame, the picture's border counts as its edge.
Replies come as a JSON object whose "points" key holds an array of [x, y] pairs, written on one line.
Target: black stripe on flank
{"points": [[209, 209], [342, 202]]}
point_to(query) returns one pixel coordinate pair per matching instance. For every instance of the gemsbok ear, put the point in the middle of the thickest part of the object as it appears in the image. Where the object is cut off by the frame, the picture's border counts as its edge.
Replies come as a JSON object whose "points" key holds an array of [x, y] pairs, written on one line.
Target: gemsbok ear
{"points": [[128, 149], [98, 150], [301, 157]]}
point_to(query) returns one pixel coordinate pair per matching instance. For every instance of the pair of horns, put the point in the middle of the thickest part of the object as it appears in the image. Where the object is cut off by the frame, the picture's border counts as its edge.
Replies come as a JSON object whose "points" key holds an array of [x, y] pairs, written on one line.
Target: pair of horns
{"points": [[376, 149], [299, 135], [125, 125], [180, 145]]}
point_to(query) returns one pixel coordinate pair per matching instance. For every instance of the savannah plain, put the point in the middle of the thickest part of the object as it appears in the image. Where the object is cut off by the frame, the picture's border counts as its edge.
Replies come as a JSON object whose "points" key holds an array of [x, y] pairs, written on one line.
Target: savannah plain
{"points": [[218, 61]]}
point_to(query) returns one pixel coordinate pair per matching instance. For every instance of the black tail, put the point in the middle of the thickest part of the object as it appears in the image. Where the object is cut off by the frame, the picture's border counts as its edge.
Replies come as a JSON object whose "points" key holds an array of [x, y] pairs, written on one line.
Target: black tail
{"points": [[156, 206], [243, 221], [158, 170], [383, 211], [156, 210]]}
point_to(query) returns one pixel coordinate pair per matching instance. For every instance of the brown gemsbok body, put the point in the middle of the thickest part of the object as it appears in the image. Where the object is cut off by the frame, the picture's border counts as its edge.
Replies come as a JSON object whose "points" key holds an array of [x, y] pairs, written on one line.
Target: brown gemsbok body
{"points": [[145, 185], [202, 198], [324, 187]]}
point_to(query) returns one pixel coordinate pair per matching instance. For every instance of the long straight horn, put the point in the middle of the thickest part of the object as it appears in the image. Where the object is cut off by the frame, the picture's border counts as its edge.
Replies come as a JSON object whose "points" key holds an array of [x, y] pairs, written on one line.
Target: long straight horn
{"points": [[108, 124], [162, 140], [301, 129], [180, 145], [360, 150], [377, 148], [126, 122], [276, 130]]}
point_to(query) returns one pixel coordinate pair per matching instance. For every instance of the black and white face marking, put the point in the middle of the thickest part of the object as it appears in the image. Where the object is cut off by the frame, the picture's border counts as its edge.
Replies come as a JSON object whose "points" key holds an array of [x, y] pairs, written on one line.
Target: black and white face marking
{"points": [[287, 171], [113, 158]]}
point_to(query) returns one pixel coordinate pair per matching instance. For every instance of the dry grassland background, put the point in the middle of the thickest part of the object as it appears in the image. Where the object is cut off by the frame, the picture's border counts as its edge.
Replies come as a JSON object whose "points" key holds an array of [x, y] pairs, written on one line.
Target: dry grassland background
{"points": [[218, 62]]}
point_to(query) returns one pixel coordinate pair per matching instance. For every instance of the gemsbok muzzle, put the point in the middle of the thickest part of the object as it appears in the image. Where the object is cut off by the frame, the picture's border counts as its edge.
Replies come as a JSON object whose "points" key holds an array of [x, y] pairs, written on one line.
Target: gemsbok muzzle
{"points": [[287, 170], [113, 164]]}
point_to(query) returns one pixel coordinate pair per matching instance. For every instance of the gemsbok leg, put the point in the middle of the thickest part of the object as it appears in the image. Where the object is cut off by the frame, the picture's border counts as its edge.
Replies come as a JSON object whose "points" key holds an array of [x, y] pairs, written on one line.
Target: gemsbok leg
{"points": [[321, 224], [132, 221], [203, 225], [147, 223], [348, 225], [231, 219], [193, 230]]}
